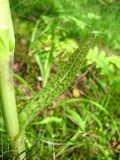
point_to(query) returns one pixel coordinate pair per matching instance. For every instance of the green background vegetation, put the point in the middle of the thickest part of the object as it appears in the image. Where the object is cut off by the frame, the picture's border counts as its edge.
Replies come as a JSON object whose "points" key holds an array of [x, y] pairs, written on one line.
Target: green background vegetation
{"points": [[83, 123]]}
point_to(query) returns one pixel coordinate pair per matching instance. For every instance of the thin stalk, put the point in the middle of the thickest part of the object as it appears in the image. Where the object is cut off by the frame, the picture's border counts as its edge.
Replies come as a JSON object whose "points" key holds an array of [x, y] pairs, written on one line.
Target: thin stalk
{"points": [[7, 95]]}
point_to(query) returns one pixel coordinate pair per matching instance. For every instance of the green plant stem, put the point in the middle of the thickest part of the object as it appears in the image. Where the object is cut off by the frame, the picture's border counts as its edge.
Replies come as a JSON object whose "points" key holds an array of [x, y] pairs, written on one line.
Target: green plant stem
{"points": [[9, 106], [7, 95]]}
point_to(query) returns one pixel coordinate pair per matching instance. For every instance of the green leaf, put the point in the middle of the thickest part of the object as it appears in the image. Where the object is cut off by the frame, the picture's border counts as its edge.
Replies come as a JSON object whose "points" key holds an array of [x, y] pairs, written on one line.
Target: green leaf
{"points": [[76, 118], [115, 60], [95, 104], [49, 120]]}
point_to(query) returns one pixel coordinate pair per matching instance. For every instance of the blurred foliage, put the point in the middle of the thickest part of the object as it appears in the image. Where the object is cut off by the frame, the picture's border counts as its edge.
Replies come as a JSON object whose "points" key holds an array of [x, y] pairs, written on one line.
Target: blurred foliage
{"points": [[82, 17], [47, 32], [109, 65]]}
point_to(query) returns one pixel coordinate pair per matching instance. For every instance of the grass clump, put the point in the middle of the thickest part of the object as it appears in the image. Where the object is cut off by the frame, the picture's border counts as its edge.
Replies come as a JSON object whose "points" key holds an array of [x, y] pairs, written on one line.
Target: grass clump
{"points": [[83, 122]]}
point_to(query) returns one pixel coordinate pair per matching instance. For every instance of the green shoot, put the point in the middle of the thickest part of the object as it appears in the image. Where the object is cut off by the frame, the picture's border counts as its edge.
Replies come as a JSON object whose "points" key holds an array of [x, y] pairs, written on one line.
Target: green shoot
{"points": [[59, 82]]}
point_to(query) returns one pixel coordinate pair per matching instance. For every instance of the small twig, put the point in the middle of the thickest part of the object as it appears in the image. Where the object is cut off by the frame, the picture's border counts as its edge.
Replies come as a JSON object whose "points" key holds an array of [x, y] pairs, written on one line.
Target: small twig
{"points": [[87, 71], [96, 81]]}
